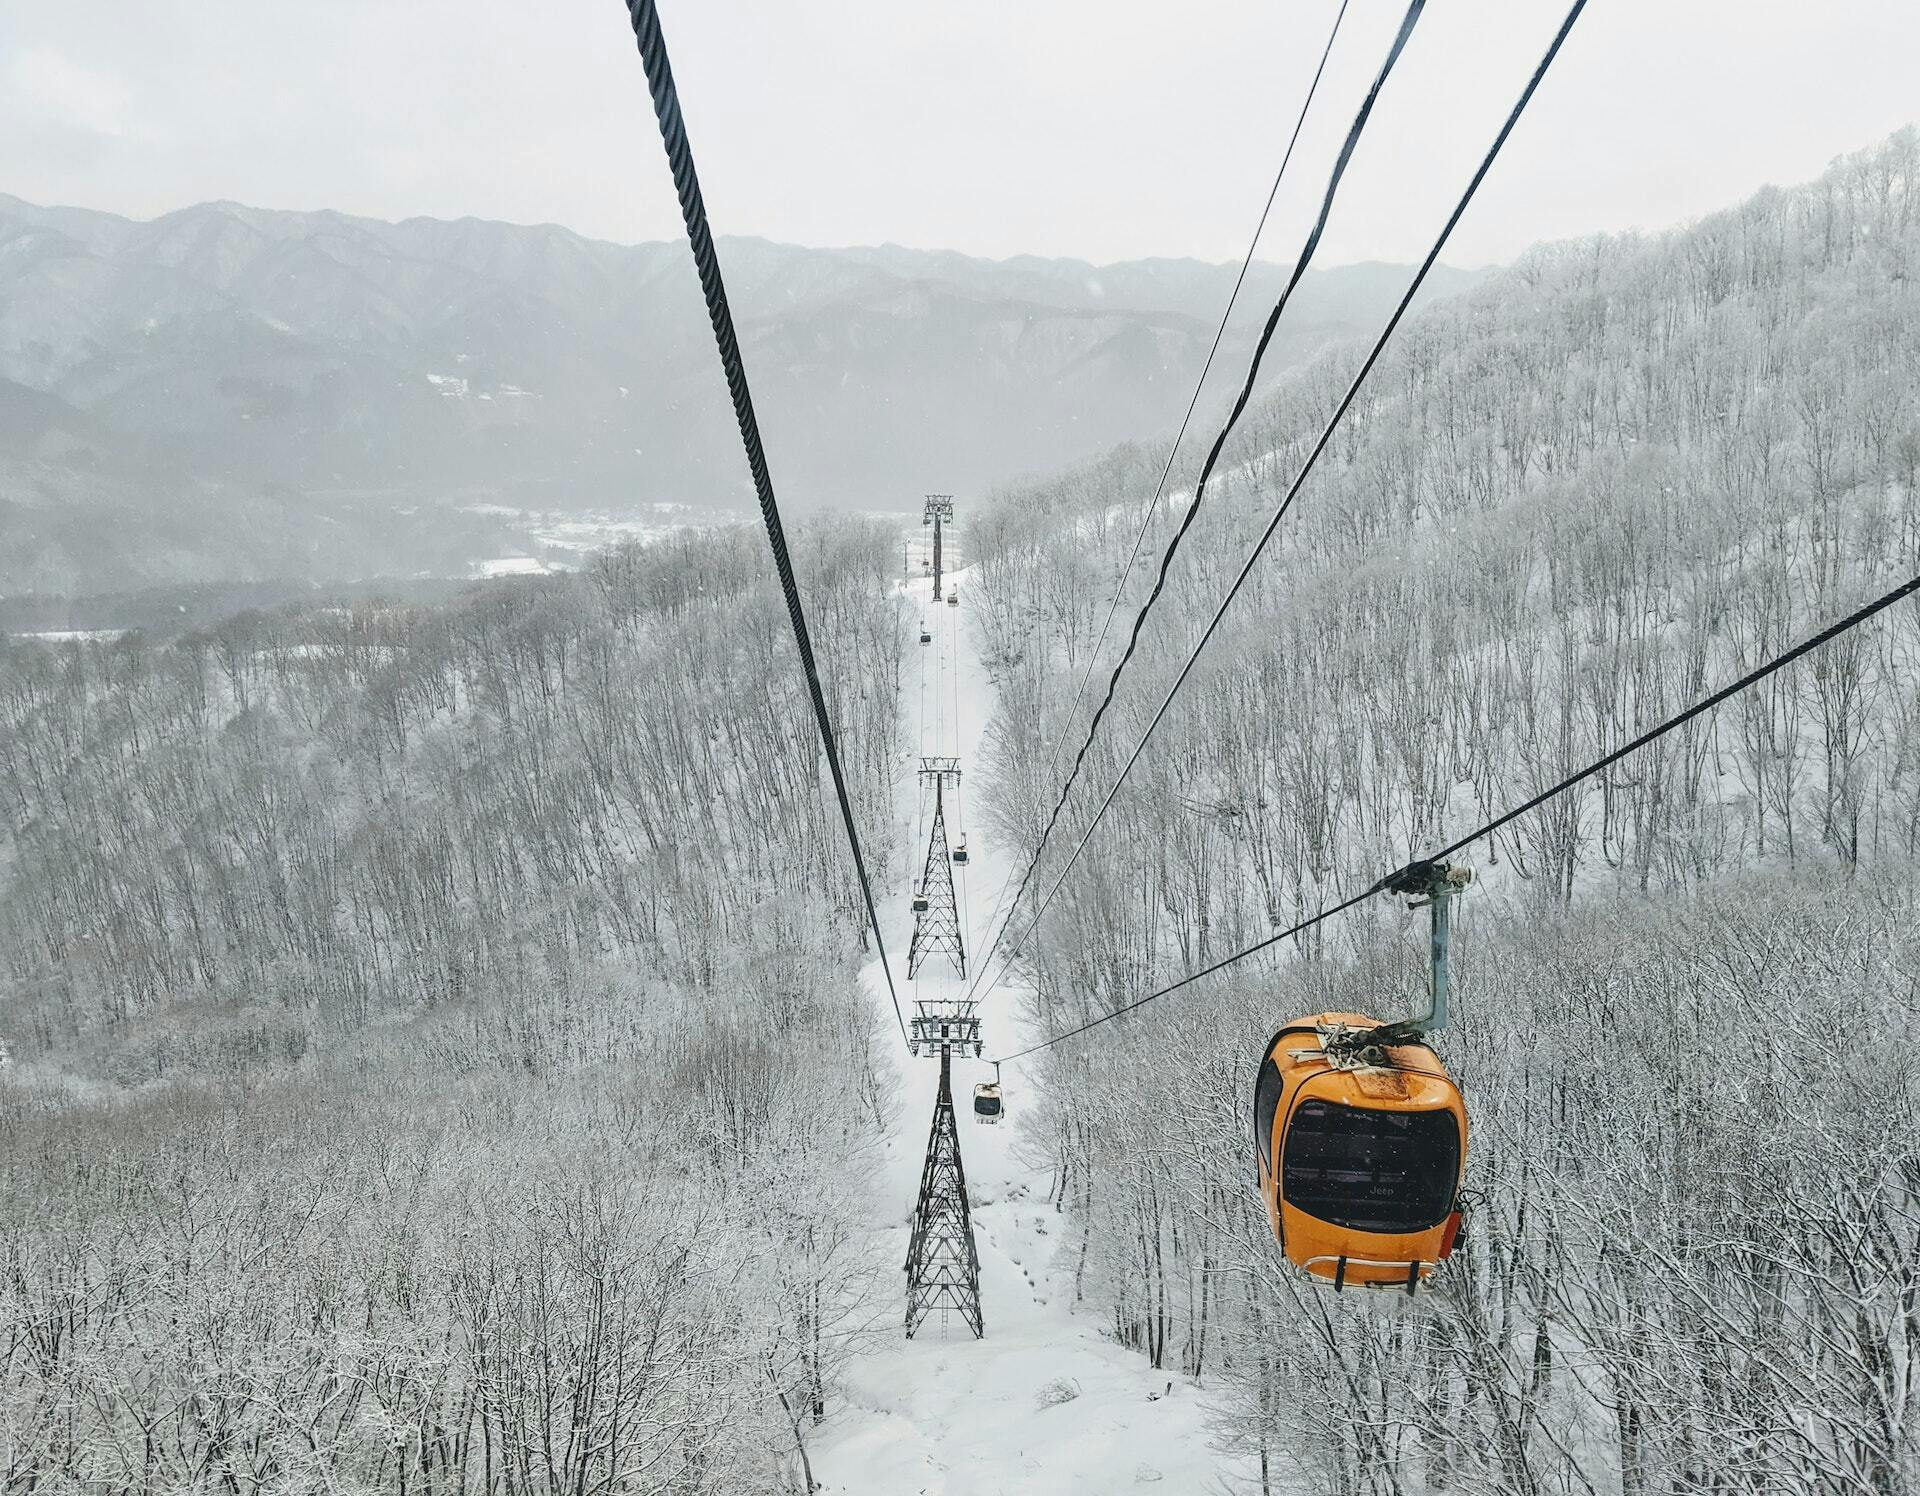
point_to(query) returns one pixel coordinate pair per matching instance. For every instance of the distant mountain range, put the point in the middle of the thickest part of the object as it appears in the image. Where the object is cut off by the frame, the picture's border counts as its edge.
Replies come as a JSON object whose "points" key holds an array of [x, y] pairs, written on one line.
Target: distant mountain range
{"points": [[233, 392]]}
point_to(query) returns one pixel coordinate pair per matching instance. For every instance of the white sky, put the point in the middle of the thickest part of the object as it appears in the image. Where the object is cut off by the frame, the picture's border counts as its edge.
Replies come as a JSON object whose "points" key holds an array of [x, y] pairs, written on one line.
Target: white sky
{"points": [[1104, 129]]}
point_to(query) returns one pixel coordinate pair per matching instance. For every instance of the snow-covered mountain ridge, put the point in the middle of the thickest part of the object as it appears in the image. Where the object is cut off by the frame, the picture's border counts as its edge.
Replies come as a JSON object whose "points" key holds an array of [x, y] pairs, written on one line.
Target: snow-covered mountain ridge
{"points": [[345, 363]]}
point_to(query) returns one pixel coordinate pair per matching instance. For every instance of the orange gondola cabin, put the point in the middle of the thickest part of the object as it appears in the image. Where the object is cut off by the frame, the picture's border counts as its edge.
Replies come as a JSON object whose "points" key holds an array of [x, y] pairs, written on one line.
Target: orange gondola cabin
{"points": [[1359, 1133], [1361, 1153]]}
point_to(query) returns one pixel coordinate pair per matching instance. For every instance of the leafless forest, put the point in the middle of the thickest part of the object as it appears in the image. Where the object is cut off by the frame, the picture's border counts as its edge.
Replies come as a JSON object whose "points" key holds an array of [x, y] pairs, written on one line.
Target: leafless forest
{"points": [[379, 1118], [434, 1060], [1569, 505]]}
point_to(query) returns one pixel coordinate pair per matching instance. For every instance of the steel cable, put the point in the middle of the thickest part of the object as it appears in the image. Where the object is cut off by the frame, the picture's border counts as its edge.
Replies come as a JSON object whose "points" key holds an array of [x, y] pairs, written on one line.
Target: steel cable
{"points": [[1606, 761], [673, 135], [1160, 488], [1307, 467]]}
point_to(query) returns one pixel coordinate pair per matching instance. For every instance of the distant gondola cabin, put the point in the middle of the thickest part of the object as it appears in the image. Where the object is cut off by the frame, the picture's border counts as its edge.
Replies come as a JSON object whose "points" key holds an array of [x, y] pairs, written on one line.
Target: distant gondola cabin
{"points": [[986, 1102], [1360, 1153]]}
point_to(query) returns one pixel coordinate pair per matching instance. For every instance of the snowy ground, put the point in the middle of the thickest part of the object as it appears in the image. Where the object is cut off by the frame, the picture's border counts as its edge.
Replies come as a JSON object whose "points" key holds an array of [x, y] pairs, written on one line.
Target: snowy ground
{"points": [[944, 1414], [567, 540]]}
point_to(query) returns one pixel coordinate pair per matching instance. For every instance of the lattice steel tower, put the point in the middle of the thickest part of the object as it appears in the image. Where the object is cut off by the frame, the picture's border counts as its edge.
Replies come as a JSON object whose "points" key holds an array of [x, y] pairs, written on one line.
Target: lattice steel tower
{"points": [[939, 507], [943, 1266], [936, 929]]}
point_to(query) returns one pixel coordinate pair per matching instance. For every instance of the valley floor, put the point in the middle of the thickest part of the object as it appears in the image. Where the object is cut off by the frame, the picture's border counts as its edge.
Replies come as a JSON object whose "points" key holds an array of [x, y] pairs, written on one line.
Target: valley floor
{"points": [[944, 1414]]}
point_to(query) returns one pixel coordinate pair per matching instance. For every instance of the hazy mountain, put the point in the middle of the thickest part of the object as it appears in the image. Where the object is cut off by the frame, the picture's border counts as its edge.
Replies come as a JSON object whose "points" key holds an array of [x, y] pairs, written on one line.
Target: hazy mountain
{"points": [[87, 508], [308, 361]]}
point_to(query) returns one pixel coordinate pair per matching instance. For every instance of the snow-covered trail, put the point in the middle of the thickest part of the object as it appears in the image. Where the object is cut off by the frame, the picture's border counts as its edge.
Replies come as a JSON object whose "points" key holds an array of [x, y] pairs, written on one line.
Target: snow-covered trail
{"points": [[944, 1414]]}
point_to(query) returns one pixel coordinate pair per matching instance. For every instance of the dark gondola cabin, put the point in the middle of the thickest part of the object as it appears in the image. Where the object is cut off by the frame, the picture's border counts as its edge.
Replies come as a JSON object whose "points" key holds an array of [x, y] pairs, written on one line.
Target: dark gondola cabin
{"points": [[960, 852], [919, 902], [1360, 1150], [925, 637], [986, 1102]]}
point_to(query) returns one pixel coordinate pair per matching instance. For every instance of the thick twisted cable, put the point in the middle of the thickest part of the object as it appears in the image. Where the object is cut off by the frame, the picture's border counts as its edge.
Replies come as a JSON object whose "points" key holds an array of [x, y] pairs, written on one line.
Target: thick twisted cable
{"points": [[693, 209]]}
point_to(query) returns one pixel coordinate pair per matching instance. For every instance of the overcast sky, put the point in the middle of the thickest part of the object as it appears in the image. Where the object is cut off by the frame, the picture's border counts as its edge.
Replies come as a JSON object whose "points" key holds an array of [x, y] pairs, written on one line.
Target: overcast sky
{"points": [[1104, 129]]}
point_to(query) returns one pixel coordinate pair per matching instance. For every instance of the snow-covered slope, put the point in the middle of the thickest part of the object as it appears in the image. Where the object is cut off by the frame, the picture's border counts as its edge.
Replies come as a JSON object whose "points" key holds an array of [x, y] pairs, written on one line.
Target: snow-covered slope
{"points": [[944, 1414]]}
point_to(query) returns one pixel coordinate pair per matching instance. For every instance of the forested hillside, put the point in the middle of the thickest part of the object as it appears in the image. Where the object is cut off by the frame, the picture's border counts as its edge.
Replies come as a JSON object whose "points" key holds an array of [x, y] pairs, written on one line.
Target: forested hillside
{"points": [[431, 1050], [1566, 506], [436, 1057]]}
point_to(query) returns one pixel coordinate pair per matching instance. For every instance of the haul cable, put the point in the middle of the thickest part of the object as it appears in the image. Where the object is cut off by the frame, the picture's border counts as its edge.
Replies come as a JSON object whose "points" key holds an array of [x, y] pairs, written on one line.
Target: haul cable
{"points": [[1606, 761]]}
